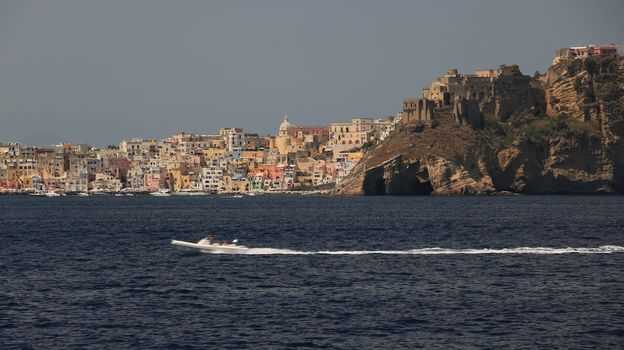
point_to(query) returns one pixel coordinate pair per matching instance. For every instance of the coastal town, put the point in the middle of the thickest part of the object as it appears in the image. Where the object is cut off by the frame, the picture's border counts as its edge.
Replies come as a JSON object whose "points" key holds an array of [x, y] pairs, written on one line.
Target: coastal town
{"points": [[299, 158]]}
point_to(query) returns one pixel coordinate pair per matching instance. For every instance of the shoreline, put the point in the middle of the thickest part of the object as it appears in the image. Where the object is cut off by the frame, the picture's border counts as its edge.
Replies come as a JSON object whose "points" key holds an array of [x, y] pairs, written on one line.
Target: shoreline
{"points": [[294, 193]]}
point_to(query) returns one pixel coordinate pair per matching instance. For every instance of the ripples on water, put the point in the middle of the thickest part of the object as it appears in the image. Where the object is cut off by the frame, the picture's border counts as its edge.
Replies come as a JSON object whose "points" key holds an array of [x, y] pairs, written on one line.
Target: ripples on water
{"points": [[100, 273]]}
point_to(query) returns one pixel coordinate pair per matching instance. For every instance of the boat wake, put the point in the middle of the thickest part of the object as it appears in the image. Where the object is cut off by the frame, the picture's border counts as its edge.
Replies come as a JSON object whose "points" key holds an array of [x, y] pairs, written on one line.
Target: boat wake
{"points": [[605, 249]]}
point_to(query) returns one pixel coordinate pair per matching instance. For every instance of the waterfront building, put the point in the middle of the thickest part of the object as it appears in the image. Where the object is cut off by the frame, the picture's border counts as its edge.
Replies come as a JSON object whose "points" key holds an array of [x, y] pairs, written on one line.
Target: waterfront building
{"points": [[290, 177], [106, 182], [236, 185], [155, 178], [257, 183], [25, 170], [135, 178], [78, 183], [321, 173], [3, 176], [212, 178]]}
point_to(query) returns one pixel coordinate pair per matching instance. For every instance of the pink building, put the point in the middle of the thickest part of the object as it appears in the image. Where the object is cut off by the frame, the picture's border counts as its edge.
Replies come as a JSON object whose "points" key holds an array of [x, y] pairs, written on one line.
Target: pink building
{"points": [[119, 167], [269, 171], [605, 51], [154, 180], [304, 130]]}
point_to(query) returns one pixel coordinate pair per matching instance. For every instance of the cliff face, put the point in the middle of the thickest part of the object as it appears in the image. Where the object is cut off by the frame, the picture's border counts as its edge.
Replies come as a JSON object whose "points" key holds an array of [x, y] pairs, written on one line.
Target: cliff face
{"points": [[422, 159], [577, 147]]}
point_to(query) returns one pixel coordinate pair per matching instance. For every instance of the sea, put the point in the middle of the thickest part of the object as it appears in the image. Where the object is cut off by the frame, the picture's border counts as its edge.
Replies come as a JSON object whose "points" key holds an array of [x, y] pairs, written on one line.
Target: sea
{"points": [[521, 272]]}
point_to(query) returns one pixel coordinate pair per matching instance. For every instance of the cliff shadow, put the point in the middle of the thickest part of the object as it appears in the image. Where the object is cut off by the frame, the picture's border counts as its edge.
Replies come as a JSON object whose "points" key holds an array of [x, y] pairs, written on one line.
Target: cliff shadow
{"points": [[395, 178]]}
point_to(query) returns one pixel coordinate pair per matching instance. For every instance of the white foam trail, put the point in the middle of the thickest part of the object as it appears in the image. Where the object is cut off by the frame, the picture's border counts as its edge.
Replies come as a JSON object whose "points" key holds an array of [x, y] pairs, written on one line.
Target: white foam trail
{"points": [[605, 249]]}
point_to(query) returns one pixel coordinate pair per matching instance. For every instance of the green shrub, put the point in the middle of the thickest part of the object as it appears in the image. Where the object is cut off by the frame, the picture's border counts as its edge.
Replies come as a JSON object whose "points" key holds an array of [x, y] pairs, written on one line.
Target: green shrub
{"points": [[511, 69], [591, 65], [501, 130], [538, 130], [608, 91], [542, 130], [574, 66]]}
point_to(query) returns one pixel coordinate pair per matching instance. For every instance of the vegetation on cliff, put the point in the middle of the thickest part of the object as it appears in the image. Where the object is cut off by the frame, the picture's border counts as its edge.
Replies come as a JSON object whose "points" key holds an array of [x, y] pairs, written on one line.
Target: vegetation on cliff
{"points": [[539, 129]]}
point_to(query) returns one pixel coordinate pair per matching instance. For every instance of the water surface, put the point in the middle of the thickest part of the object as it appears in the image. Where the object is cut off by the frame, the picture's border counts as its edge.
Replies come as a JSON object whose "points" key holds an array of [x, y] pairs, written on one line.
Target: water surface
{"points": [[99, 272]]}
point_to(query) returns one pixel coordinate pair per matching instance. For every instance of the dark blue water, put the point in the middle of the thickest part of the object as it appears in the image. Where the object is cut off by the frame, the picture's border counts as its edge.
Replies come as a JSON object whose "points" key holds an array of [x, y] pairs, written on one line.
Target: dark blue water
{"points": [[99, 273]]}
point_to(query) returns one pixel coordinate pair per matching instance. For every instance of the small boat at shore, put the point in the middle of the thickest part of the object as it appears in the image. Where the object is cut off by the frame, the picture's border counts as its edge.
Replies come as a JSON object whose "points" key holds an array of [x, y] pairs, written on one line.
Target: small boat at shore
{"points": [[161, 193], [207, 245]]}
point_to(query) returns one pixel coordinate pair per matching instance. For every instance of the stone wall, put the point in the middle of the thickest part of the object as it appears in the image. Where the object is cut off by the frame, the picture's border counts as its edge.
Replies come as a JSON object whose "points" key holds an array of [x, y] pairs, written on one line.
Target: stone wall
{"points": [[512, 93], [417, 109], [468, 112]]}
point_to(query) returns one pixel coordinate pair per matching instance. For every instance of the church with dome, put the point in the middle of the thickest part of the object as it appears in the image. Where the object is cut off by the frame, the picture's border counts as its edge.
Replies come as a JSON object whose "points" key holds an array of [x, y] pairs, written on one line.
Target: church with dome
{"points": [[285, 141]]}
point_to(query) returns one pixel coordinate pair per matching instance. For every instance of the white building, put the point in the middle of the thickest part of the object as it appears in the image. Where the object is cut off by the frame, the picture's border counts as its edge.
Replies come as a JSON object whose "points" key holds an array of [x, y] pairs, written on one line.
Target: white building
{"points": [[212, 178], [106, 182], [234, 138], [132, 147], [77, 183]]}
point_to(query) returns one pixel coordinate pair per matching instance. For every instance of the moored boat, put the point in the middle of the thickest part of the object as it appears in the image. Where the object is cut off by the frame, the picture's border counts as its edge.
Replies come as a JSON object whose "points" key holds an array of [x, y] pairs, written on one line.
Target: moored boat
{"points": [[160, 193]]}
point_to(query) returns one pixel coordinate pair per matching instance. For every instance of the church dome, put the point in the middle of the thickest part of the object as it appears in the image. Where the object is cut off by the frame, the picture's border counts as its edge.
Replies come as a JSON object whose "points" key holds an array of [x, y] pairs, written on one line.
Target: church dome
{"points": [[285, 126]]}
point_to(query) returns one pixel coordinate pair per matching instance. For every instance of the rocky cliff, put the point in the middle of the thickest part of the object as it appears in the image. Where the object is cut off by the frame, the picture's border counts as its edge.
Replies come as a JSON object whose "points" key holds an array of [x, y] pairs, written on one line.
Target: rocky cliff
{"points": [[570, 141]]}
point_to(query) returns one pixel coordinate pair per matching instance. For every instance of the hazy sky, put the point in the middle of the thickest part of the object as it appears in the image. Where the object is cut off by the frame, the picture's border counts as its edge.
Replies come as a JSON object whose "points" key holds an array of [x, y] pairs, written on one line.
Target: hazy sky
{"points": [[101, 71]]}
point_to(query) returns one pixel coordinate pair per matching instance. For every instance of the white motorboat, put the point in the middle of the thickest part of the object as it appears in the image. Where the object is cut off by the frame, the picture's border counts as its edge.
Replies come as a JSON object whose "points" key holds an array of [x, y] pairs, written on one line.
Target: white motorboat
{"points": [[206, 245], [161, 193], [83, 194], [52, 194]]}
